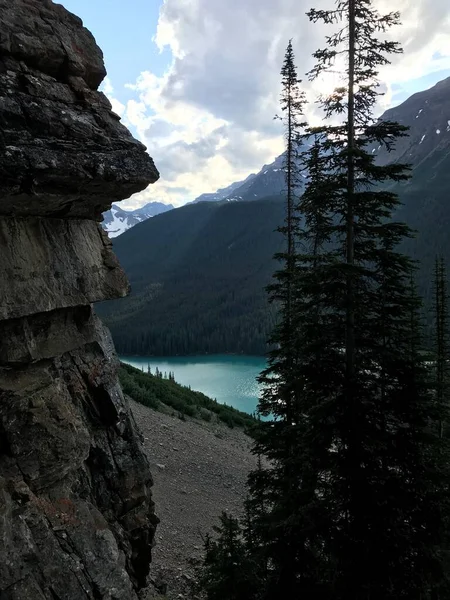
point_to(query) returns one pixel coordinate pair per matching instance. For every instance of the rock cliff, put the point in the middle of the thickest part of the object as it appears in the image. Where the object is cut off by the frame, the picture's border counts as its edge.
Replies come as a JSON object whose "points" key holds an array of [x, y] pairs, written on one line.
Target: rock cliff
{"points": [[76, 515]]}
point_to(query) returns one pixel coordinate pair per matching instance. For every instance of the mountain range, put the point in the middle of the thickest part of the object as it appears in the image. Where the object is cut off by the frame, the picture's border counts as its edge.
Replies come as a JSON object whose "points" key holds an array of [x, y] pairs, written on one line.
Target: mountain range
{"points": [[200, 288], [425, 196], [197, 275], [117, 220], [222, 193], [268, 182]]}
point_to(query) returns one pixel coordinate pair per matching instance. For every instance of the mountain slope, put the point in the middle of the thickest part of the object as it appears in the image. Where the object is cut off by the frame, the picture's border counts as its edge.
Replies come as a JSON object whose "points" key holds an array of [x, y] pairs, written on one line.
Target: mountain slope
{"points": [[222, 193], [269, 181], [427, 114], [117, 220], [166, 395], [200, 288], [426, 195]]}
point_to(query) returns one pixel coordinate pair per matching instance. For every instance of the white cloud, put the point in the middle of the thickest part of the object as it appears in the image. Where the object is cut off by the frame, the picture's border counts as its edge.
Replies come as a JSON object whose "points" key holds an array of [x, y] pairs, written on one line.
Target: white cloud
{"points": [[108, 90], [208, 120], [424, 32], [107, 87]]}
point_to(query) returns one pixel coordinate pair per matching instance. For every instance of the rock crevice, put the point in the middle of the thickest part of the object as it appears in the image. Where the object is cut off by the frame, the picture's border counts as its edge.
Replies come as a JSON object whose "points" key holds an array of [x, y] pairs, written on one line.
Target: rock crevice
{"points": [[76, 515]]}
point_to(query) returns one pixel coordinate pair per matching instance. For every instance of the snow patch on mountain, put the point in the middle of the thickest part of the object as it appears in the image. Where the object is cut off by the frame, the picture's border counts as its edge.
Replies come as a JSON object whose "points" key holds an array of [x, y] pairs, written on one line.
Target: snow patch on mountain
{"points": [[432, 126], [117, 220], [118, 224]]}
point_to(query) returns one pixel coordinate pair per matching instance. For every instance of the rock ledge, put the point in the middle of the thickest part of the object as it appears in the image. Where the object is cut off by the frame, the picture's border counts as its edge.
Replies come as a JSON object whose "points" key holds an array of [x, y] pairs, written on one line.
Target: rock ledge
{"points": [[76, 515]]}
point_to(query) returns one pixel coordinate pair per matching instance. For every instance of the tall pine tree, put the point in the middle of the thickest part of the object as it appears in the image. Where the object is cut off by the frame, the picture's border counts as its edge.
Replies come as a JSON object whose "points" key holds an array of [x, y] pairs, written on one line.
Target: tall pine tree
{"points": [[359, 478], [352, 501], [278, 375], [441, 338], [228, 572], [277, 486]]}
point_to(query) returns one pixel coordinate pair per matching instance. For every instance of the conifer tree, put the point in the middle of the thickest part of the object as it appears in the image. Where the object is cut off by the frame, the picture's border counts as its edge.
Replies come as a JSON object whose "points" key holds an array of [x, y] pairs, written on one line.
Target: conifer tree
{"points": [[441, 339], [281, 360], [364, 398], [279, 378], [228, 571], [359, 479], [256, 516], [292, 101], [355, 495]]}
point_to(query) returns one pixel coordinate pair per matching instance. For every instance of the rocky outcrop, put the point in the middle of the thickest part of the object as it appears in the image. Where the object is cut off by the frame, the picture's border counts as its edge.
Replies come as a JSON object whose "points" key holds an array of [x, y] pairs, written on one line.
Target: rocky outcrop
{"points": [[64, 152], [76, 515]]}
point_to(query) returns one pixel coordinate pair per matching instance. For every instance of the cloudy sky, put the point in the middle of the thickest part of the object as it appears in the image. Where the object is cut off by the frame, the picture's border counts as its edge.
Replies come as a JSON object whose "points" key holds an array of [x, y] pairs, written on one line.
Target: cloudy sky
{"points": [[197, 81]]}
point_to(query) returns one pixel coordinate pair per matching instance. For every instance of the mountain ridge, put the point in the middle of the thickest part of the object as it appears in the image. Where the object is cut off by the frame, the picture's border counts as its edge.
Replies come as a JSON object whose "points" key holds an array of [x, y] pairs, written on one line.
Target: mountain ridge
{"points": [[222, 193], [425, 120], [427, 114], [118, 220], [214, 274], [204, 284]]}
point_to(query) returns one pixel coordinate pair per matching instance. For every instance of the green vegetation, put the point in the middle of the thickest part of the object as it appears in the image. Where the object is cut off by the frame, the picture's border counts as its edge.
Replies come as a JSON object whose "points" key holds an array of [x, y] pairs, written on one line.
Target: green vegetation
{"points": [[441, 346], [351, 501], [155, 391], [229, 571]]}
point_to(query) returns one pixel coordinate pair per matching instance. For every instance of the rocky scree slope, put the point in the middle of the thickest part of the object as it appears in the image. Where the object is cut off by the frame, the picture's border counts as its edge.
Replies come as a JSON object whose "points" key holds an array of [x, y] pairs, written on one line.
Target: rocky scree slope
{"points": [[76, 515], [200, 469]]}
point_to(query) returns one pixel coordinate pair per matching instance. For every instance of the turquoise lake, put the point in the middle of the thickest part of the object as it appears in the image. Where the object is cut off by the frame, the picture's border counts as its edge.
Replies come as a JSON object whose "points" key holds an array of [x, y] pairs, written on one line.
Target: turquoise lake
{"points": [[229, 379]]}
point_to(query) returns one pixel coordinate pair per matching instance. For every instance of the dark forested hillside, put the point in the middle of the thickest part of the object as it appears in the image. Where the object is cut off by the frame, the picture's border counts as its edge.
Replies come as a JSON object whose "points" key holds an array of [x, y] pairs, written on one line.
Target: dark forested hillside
{"points": [[426, 196], [198, 273], [198, 276]]}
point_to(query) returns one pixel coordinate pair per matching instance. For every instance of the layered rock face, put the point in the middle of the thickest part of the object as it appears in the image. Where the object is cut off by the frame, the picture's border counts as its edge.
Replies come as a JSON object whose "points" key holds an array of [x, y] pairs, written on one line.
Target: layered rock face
{"points": [[76, 515]]}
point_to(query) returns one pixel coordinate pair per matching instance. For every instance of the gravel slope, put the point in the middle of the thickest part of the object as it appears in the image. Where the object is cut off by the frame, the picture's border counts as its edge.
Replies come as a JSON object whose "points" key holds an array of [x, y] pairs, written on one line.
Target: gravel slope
{"points": [[199, 469]]}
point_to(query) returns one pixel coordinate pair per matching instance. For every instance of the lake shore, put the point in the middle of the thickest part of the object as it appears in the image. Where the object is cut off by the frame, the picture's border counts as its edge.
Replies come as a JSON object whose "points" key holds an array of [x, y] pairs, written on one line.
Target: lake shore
{"points": [[229, 379]]}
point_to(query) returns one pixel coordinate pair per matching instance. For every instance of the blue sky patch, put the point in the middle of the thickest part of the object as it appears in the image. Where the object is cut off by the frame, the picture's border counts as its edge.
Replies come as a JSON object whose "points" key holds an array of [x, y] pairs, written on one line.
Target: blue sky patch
{"points": [[124, 31]]}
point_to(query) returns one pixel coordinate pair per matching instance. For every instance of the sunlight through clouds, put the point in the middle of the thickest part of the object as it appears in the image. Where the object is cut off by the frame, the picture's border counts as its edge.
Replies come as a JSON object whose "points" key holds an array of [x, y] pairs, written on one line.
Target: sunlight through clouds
{"points": [[208, 120]]}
